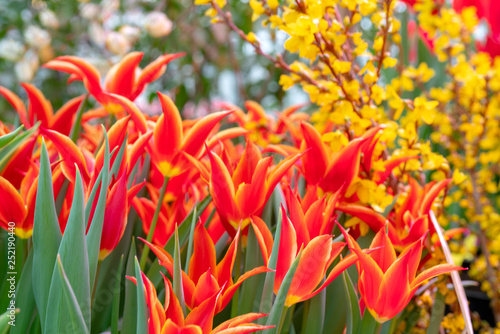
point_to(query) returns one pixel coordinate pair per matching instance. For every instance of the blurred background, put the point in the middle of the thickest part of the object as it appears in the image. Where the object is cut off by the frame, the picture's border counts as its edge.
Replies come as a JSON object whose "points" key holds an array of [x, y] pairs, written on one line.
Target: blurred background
{"points": [[218, 65]]}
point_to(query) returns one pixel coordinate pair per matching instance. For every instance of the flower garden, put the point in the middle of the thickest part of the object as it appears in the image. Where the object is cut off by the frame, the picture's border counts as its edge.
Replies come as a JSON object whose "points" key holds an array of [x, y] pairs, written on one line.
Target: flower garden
{"points": [[230, 166]]}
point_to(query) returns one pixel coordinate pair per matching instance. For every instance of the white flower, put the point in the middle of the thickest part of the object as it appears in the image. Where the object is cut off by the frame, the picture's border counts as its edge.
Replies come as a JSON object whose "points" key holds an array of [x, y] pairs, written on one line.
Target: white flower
{"points": [[11, 50], [89, 11], [49, 19], [117, 43], [37, 37], [157, 24], [97, 34], [132, 34], [25, 69]]}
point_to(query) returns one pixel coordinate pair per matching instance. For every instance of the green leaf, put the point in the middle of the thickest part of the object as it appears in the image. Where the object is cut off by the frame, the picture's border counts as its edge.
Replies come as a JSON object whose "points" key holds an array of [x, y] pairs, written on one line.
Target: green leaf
{"points": [[368, 324], [9, 149], [177, 286], [5, 139], [115, 313], [353, 311], [118, 160], [142, 318], [46, 236], [75, 131], [183, 230], [7, 317], [77, 322], [189, 251], [316, 314], [94, 234], [25, 300], [436, 314], [335, 307], [251, 286], [267, 293], [73, 254], [279, 303], [129, 311]]}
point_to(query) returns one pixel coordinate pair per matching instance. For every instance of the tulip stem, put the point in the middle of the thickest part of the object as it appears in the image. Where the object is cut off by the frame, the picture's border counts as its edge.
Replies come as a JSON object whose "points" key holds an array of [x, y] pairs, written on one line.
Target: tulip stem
{"points": [[75, 131], [237, 265], [145, 251]]}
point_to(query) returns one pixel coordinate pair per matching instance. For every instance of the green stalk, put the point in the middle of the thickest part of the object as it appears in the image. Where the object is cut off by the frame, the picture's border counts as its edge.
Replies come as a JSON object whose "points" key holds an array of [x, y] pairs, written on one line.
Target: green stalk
{"points": [[152, 228], [75, 131], [237, 265], [283, 318]]}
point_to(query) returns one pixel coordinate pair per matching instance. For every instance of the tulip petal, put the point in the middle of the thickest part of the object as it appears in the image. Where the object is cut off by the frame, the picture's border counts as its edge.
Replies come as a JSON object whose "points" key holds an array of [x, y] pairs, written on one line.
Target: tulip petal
{"points": [[173, 310], [195, 137], [279, 171], [17, 103], [433, 272], [375, 220], [153, 71], [39, 106], [225, 266], [12, 208], [70, 154], [431, 195], [120, 79], [344, 167], [203, 258], [248, 163], [264, 237], [63, 119], [238, 320], [386, 256], [168, 131], [287, 250], [250, 197], [129, 107], [316, 158], [167, 261], [297, 216], [230, 291], [88, 73], [203, 315], [311, 269], [206, 287], [369, 269], [221, 188], [224, 135]]}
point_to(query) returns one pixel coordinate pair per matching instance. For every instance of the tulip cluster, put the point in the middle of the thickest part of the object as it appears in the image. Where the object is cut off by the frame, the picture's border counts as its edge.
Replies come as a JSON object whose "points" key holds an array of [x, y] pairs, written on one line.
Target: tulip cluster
{"points": [[250, 210], [248, 220]]}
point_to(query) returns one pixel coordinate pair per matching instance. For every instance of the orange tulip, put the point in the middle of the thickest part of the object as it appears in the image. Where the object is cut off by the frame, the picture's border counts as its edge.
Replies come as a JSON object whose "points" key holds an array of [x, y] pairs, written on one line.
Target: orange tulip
{"points": [[169, 319], [40, 109], [264, 128], [387, 282], [317, 256], [13, 211], [243, 194], [170, 139], [118, 201], [205, 277], [410, 222], [121, 78], [330, 171], [310, 216]]}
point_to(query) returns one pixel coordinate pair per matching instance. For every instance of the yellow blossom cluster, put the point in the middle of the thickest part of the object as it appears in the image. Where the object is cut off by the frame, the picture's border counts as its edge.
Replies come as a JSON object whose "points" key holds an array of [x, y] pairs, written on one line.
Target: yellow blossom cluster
{"points": [[351, 63]]}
